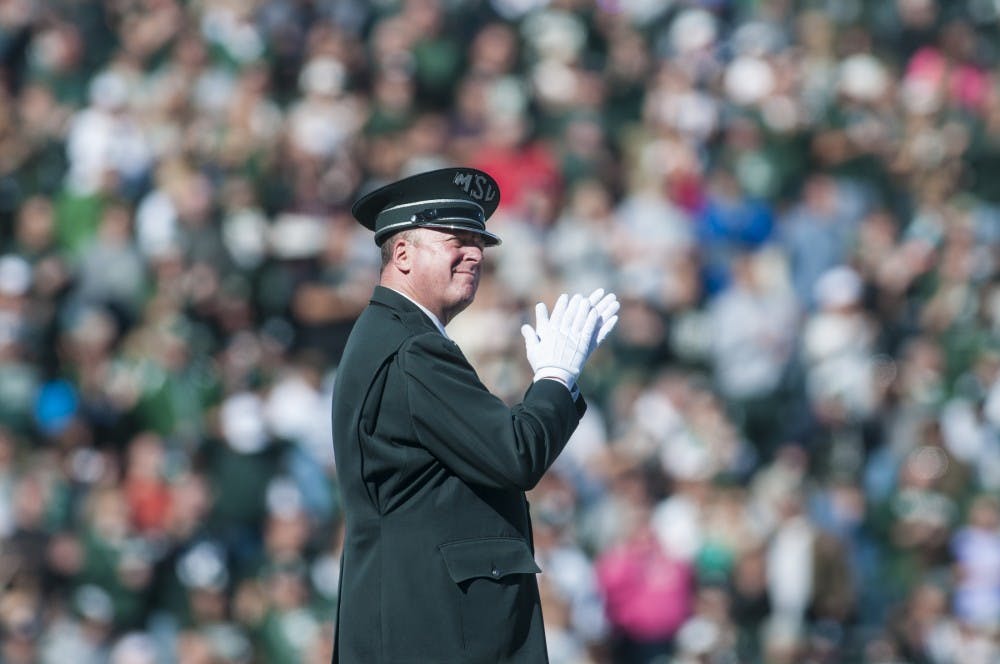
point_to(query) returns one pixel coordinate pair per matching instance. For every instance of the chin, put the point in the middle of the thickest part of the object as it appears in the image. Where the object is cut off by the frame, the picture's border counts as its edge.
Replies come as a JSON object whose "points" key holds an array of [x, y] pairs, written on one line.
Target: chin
{"points": [[467, 290], [462, 301]]}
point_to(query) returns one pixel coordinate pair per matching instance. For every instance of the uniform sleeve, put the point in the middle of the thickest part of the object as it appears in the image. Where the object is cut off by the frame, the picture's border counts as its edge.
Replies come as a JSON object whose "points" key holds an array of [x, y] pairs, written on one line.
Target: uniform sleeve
{"points": [[474, 433]]}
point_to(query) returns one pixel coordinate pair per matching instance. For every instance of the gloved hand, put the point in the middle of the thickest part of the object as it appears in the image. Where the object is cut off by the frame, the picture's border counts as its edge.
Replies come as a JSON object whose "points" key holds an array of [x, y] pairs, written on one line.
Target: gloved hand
{"points": [[559, 344], [607, 307]]}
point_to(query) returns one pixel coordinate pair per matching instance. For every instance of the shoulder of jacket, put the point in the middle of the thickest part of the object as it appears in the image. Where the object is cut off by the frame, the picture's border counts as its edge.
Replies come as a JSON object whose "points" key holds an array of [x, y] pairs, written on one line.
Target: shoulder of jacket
{"points": [[426, 341], [430, 351], [378, 332]]}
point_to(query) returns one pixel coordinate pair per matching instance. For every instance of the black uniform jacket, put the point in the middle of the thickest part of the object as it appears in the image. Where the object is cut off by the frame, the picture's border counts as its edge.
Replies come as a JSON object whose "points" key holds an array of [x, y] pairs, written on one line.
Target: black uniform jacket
{"points": [[437, 563]]}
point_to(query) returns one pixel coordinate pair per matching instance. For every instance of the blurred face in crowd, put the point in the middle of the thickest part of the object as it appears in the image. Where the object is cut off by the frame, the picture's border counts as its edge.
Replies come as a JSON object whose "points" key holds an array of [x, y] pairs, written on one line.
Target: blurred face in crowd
{"points": [[437, 268]]}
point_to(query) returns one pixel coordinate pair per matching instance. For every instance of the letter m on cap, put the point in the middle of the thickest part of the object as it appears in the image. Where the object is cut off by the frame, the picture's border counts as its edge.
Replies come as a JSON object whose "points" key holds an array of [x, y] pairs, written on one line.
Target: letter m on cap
{"points": [[463, 180]]}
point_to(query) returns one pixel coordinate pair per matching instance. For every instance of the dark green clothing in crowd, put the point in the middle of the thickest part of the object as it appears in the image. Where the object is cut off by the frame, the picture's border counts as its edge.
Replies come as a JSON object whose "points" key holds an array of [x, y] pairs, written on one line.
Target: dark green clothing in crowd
{"points": [[438, 563]]}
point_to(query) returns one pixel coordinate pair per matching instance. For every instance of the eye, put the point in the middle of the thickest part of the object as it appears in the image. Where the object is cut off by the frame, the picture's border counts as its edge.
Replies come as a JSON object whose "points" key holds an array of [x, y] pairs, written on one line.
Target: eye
{"points": [[469, 240]]}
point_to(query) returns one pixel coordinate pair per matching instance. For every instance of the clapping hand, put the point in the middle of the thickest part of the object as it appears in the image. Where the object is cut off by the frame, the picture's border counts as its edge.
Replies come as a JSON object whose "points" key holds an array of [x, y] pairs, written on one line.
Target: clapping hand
{"points": [[560, 343]]}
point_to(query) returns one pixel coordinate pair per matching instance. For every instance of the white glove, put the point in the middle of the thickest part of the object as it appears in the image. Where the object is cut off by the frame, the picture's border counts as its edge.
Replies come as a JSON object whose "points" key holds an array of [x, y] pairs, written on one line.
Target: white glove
{"points": [[559, 344], [607, 307]]}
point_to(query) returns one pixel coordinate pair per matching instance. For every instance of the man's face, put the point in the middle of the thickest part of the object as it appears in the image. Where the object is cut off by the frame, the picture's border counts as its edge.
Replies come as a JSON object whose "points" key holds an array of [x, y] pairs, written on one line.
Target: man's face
{"points": [[445, 269]]}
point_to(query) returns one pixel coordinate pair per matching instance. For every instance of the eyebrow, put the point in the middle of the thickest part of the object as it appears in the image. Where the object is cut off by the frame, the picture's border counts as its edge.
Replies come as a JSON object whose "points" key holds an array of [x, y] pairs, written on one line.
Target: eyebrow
{"points": [[476, 239]]}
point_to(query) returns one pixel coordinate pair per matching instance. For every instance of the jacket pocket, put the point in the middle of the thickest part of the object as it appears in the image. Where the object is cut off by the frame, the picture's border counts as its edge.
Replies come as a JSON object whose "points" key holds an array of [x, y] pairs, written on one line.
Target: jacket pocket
{"points": [[496, 590], [487, 558]]}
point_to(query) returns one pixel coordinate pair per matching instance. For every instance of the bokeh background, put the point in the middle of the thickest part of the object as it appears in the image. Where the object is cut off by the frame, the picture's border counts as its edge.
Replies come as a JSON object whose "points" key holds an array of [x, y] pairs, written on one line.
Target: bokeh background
{"points": [[792, 451]]}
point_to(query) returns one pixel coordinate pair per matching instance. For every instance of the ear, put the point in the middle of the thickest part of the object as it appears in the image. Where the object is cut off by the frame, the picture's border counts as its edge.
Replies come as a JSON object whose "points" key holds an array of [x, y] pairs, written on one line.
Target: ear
{"points": [[402, 258]]}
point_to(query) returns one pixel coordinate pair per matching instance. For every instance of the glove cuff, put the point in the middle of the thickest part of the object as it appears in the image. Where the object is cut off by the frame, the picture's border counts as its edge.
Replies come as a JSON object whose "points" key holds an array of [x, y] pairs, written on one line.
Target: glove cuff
{"points": [[559, 374]]}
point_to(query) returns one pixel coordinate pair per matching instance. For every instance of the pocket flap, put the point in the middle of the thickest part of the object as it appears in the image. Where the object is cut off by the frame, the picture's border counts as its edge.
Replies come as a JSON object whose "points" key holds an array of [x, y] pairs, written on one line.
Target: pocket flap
{"points": [[488, 558]]}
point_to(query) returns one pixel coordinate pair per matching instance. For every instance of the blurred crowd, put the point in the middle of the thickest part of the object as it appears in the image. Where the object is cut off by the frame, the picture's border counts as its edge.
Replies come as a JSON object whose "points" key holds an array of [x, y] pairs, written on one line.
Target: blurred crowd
{"points": [[792, 449]]}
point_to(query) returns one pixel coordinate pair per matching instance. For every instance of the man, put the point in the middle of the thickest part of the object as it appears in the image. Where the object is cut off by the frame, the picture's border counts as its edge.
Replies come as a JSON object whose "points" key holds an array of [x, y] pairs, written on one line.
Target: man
{"points": [[437, 563]]}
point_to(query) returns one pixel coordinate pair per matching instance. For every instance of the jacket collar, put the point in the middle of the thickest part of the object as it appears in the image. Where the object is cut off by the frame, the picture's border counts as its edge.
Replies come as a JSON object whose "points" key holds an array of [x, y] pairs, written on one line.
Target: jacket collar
{"points": [[407, 311]]}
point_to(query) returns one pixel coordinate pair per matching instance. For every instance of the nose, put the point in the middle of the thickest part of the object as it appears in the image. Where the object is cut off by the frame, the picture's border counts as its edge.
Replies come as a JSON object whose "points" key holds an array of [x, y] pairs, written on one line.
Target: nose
{"points": [[473, 253]]}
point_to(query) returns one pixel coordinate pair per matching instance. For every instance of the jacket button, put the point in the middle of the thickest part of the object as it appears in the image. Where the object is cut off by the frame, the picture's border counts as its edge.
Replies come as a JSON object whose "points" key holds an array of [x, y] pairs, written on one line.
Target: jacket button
{"points": [[495, 572]]}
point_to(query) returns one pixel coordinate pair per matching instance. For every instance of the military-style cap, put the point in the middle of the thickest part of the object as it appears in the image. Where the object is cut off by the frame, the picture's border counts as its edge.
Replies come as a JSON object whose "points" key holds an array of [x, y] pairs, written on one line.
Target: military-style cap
{"points": [[451, 198]]}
